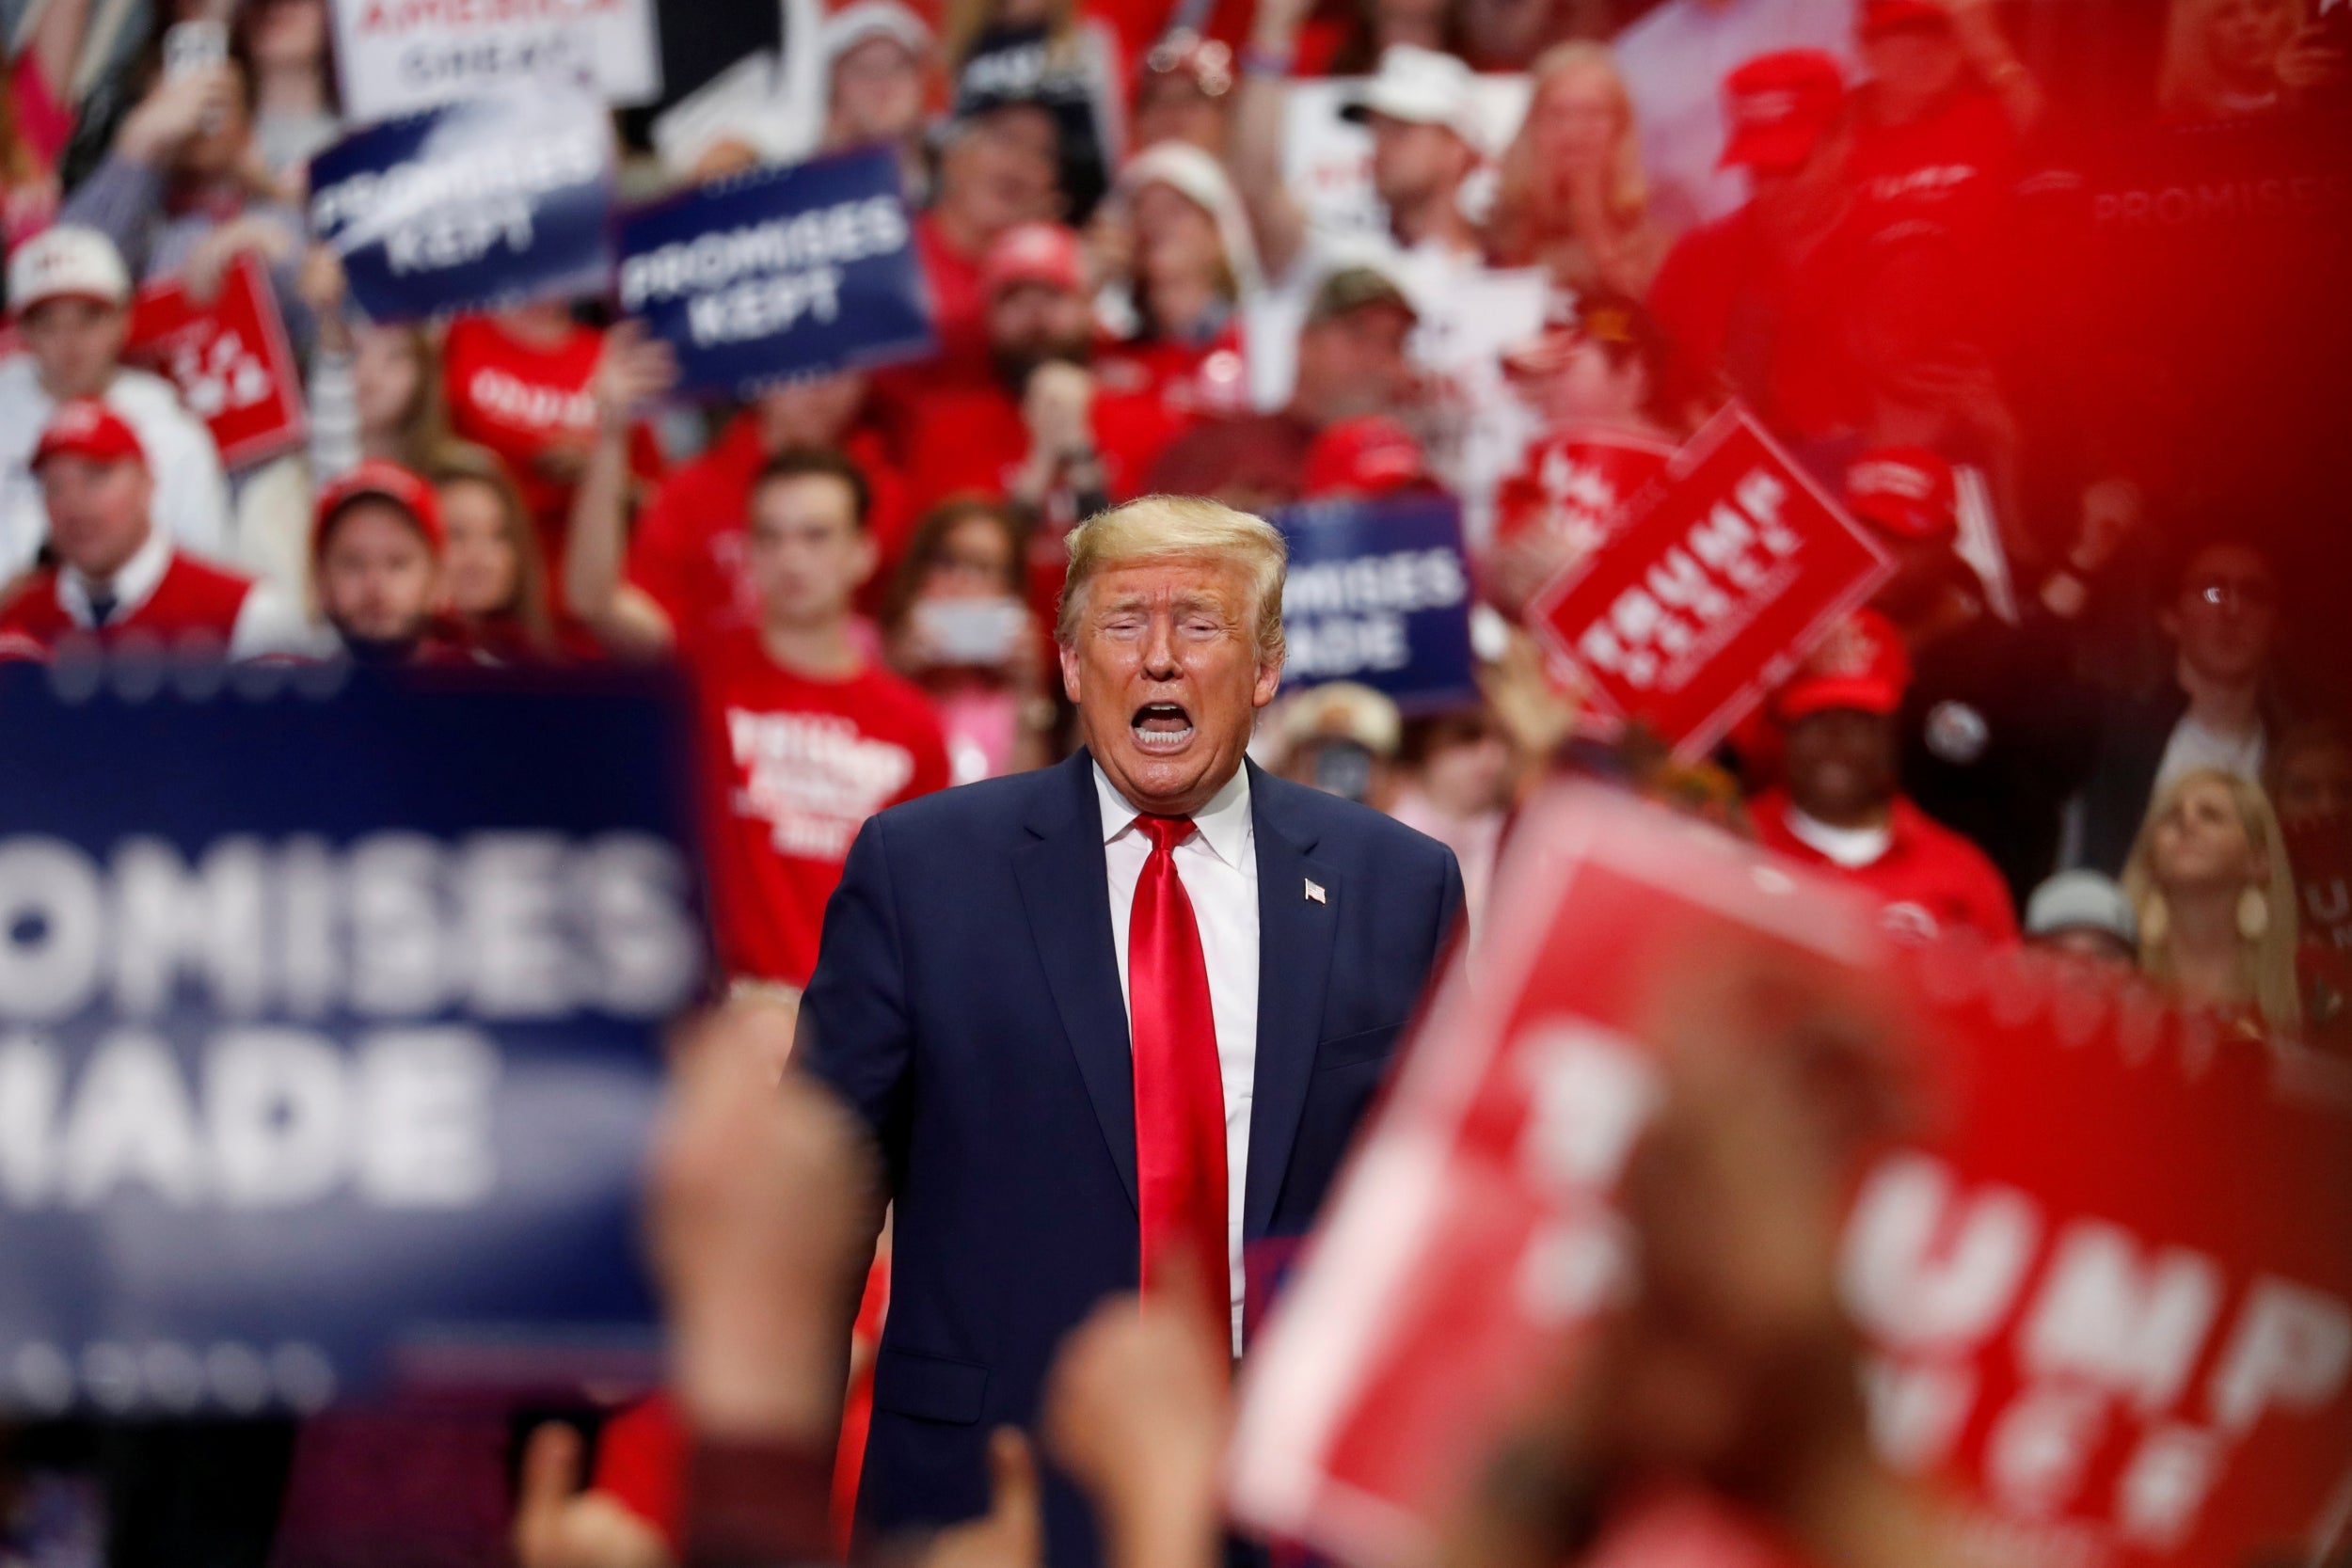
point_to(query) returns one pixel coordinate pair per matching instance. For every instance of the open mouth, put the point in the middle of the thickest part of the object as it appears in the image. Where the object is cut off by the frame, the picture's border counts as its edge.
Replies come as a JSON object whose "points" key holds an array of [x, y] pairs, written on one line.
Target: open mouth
{"points": [[1161, 727]]}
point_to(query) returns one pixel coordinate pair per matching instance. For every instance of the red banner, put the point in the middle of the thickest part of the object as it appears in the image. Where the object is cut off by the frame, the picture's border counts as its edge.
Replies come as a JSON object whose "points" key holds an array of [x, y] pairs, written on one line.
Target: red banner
{"points": [[1693, 610], [2320, 850], [1572, 487], [230, 360], [2107, 1301]]}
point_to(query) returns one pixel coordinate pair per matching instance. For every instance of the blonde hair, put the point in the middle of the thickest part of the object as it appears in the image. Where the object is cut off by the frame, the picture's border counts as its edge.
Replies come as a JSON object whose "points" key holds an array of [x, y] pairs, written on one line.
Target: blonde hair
{"points": [[2267, 964], [2186, 85], [1152, 527], [1529, 216]]}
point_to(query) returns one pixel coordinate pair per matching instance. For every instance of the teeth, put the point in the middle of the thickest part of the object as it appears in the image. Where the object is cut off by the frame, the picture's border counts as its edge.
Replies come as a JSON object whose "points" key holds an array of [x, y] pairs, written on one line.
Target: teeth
{"points": [[1161, 740]]}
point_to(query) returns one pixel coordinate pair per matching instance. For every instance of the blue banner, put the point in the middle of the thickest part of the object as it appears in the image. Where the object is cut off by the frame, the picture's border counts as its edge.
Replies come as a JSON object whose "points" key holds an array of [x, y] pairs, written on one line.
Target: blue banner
{"points": [[328, 1031], [780, 272], [1379, 593], [489, 202]]}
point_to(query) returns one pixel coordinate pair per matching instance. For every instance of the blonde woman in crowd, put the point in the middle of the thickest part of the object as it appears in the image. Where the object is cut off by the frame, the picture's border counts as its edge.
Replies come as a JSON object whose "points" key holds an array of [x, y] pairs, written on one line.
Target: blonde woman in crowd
{"points": [[2210, 882], [1572, 197]]}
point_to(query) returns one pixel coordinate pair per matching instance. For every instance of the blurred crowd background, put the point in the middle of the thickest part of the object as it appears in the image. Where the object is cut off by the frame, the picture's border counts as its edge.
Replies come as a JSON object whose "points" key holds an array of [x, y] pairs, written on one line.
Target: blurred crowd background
{"points": [[2049, 294]]}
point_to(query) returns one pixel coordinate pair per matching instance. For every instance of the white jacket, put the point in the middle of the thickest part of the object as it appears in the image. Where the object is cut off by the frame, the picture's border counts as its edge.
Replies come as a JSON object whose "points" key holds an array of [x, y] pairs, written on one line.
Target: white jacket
{"points": [[191, 492]]}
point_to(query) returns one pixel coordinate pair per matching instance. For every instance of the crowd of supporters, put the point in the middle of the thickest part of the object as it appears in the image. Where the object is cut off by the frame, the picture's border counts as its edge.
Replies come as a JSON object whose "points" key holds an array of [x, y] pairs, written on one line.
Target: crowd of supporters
{"points": [[2054, 339]]}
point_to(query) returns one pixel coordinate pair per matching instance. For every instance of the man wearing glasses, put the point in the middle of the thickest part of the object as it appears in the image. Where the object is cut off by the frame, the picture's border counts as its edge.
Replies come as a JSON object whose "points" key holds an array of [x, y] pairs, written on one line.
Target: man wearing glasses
{"points": [[2216, 711]]}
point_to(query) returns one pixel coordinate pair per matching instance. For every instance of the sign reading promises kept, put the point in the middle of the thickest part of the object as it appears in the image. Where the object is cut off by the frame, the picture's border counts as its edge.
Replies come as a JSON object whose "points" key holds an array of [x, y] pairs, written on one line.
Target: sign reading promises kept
{"points": [[474, 205], [781, 272], [1687, 614]]}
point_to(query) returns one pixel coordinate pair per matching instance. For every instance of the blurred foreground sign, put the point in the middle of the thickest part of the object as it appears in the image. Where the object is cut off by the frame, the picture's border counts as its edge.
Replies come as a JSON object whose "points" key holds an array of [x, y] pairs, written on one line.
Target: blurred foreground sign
{"points": [[328, 1032], [2107, 1300], [779, 273], [1378, 593], [1702, 601], [490, 202]]}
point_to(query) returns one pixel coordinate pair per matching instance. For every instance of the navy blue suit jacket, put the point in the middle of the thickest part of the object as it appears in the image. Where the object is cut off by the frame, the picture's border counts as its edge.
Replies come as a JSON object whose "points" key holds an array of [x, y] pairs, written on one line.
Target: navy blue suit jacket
{"points": [[966, 1003]]}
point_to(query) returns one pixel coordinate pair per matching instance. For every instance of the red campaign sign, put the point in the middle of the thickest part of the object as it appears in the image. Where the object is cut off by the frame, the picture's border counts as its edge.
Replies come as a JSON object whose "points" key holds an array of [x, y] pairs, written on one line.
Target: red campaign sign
{"points": [[230, 359], [2320, 850], [1698, 606], [2107, 1301], [1574, 486]]}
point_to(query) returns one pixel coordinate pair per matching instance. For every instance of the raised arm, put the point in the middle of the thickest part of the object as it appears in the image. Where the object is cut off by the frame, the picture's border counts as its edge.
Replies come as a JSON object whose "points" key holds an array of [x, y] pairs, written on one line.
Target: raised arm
{"points": [[1257, 157], [633, 372]]}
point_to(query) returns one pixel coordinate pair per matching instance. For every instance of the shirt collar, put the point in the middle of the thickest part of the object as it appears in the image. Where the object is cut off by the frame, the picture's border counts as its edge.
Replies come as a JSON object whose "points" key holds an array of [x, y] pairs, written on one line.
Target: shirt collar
{"points": [[1850, 848], [131, 587], [1223, 824]]}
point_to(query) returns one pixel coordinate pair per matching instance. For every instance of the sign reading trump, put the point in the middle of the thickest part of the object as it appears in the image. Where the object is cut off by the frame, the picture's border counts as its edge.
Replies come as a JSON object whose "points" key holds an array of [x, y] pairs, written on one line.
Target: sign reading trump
{"points": [[2107, 1318], [1377, 593], [780, 272], [475, 205], [332, 1072], [1687, 614]]}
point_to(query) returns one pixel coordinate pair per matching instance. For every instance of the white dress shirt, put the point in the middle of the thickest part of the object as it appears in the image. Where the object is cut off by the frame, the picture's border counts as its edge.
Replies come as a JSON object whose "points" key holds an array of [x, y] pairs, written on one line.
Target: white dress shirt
{"points": [[191, 494], [1218, 862], [267, 622]]}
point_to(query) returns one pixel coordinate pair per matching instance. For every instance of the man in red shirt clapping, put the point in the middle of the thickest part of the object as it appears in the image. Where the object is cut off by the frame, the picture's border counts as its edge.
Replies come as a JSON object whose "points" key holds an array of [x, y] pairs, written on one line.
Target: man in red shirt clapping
{"points": [[1842, 807]]}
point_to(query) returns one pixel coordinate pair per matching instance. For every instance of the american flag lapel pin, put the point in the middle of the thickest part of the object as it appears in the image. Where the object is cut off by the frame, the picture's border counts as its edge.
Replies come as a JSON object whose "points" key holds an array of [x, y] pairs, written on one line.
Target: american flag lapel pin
{"points": [[1315, 893]]}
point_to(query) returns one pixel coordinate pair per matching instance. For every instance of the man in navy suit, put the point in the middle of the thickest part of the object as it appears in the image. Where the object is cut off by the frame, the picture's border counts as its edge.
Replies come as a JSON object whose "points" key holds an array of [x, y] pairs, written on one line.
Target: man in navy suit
{"points": [[1112, 1013]]}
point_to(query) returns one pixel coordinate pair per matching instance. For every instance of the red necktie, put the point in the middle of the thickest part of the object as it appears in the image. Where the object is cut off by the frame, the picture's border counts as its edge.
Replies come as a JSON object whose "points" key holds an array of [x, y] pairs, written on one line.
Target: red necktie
{"points": [[1180, 1093]]}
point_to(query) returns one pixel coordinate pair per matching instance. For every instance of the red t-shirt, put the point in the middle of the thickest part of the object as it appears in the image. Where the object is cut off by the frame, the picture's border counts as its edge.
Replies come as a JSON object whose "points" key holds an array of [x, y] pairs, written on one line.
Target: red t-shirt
{"points": [[793, 768], [1191, 382], [1948, 169], [193, 601], [973, 438], [1933, 879], [1731, 305], [532, 406], [688, 551], [640, 1458], [959, 303]]}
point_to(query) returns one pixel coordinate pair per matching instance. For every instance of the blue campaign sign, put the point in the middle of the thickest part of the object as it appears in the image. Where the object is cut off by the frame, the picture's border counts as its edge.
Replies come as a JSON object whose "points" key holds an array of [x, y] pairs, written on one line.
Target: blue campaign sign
{"points": [[483, 203], [329, 1016], [780, 272], [1378, 593]]}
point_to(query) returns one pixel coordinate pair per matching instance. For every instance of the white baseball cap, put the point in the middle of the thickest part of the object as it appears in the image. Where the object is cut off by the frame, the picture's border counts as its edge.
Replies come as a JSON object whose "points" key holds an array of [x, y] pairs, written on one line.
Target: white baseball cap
{"points": [[67, 261], [860, 20], [1422, 86], [2082, 901]]}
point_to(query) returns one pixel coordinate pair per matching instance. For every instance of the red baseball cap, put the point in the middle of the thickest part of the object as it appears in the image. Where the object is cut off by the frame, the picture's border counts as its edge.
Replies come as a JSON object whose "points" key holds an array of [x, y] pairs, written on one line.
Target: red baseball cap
{"points": [[1879, 16], [84, 427], [1861, 664], [1035, 253], [1370, 455], [1779, 106], [1904, 491], [377, 480]]}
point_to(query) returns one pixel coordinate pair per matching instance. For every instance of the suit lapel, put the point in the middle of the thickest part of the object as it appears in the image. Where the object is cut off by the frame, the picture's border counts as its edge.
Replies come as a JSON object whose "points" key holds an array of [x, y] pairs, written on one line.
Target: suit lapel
{"points": [[1067, 894], [1295, 937]]}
